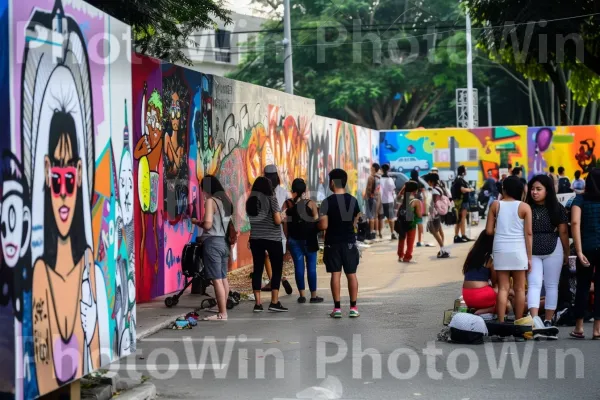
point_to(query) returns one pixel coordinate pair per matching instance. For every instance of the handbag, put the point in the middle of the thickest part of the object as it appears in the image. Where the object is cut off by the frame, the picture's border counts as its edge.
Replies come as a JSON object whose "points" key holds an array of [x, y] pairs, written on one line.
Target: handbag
{"points": [[231, 235]]}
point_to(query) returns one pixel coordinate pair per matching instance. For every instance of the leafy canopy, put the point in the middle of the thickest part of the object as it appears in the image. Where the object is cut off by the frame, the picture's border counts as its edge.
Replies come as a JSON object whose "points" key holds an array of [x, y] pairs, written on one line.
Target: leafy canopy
{"points": [[371, 60], [541, 38], [162, 28]]}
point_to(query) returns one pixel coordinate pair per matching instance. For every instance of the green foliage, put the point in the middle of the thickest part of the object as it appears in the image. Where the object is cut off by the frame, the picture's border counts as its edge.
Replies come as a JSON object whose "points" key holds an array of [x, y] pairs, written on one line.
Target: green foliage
{"points": [[568, 39], [358, 57], [162, 28]]}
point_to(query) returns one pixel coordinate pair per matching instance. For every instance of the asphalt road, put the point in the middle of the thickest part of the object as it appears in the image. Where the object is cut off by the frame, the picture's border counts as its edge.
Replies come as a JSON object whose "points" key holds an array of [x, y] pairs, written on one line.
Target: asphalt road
{"points": [[306, 354]]}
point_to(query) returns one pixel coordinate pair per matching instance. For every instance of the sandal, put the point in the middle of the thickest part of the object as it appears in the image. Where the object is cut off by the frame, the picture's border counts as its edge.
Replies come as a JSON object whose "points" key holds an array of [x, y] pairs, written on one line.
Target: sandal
{"points": [[216, 317], [577, 335], [596, 337]]}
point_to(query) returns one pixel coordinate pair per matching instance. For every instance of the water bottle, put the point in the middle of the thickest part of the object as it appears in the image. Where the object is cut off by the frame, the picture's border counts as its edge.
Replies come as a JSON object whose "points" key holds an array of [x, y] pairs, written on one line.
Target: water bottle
{"points": [[463, 306]]}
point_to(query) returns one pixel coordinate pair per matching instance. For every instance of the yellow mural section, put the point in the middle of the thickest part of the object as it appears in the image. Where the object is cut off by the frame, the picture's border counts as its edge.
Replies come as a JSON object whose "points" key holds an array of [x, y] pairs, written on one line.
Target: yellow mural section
{"points": [[483, 148]]}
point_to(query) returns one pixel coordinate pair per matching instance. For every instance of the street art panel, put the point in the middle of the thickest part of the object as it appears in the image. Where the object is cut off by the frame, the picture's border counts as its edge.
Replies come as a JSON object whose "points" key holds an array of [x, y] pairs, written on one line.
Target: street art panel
{"points": [[182, 95], [321, 156], [68, 194], [572, 147], [482, 149], [346, 154], [11, 296], [147, 142], [364, 162]]}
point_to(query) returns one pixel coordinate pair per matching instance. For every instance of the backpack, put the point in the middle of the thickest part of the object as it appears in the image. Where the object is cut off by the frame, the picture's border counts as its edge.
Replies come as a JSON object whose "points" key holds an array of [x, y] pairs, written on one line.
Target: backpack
{"points": [[441, 206], [402, 224], [467, 329], [564, 185], [455, 189]]}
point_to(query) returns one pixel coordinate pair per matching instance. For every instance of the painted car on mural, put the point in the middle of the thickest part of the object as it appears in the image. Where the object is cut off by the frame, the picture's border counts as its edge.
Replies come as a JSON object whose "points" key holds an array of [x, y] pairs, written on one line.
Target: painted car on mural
{"points": [[409, 163]]}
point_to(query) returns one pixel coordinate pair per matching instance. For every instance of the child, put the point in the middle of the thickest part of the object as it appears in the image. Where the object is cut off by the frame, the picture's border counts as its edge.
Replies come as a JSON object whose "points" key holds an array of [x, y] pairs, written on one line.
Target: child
{"points": [[410, 215], [480, 278]]}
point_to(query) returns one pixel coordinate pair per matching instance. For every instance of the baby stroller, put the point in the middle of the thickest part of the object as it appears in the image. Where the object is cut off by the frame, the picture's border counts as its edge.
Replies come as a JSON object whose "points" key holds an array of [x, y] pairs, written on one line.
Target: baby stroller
{"points": [[193, 269]]}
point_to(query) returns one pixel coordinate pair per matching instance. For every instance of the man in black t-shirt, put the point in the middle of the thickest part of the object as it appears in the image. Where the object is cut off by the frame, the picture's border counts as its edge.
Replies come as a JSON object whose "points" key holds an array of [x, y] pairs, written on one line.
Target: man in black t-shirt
{"points": [[339, 216]]}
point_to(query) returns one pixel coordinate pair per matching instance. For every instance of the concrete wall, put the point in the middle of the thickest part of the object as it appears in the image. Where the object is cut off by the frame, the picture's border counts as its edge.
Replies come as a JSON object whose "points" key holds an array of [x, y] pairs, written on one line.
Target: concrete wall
{"points": [[67, 270]]}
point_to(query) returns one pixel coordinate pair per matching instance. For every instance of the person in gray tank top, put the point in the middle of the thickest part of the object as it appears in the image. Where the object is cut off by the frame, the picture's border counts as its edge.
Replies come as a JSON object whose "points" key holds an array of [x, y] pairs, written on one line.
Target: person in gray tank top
{"points": [[218, 210]]}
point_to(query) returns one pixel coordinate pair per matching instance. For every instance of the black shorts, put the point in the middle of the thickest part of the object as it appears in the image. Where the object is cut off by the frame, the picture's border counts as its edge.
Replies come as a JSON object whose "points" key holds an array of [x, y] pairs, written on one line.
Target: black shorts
{"points": [[343, 255]]}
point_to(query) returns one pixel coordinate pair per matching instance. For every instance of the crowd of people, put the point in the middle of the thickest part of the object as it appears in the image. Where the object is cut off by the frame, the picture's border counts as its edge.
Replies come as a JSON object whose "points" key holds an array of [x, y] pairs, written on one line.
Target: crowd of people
{"points": [[514, 267], [516, 264]]}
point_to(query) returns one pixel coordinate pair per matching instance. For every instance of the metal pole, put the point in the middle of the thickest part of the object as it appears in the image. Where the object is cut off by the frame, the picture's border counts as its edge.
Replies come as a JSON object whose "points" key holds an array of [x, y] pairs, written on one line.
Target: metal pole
{"points": [[287, 43], [469, 73], [489, 105]]}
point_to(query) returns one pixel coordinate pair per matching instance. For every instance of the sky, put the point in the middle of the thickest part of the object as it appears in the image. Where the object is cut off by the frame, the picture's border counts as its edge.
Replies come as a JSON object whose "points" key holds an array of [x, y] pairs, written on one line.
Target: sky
{"points": [[242, 7]]}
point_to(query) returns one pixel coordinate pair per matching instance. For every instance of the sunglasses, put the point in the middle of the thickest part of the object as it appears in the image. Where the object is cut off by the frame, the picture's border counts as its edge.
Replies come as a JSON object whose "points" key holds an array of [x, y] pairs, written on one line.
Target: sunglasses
{"points": [[62, 180]]}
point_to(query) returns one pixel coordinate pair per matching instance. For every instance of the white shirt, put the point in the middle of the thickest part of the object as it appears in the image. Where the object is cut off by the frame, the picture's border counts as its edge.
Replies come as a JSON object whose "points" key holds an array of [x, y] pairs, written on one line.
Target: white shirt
{"points": [[282, 195], [387, 190]]}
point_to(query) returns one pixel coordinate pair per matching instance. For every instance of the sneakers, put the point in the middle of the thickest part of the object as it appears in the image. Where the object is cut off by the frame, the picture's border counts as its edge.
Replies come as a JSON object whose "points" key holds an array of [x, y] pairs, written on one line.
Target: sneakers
{"points": [[544, 330], [336, 313], [461, 239], [301, 299], [316, 299], [354, 312], [419, 244], [286, 285], [258, 308], [443, 254], [277, 307], [394, 237]]}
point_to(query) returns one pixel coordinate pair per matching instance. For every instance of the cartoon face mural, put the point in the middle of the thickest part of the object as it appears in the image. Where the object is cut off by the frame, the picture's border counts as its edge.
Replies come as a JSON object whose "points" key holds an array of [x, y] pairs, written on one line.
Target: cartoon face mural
{"points": [[15, 231], [66, 196]]}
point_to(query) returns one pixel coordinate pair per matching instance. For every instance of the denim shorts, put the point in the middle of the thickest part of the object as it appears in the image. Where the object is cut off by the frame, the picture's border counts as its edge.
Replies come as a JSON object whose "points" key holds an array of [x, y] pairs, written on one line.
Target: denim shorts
{"points": [[215, 255], [371, 209]]}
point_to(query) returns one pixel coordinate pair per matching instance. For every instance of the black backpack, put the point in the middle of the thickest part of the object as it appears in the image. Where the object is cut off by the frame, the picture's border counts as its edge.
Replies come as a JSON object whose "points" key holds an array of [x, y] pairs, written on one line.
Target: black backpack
{"points": [[402, 224], [455, 190], [564, 185]]}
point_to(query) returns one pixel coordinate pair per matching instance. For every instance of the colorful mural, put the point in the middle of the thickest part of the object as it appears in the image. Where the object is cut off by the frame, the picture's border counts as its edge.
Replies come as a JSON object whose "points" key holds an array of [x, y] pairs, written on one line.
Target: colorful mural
{"points": [[480, 150], [67, 192], [571, 147]]}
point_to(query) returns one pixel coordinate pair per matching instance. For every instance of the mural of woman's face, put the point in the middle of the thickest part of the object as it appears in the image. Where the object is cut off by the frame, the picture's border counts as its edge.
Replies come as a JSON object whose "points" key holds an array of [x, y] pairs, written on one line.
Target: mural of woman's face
{"points": [[63, 178]]}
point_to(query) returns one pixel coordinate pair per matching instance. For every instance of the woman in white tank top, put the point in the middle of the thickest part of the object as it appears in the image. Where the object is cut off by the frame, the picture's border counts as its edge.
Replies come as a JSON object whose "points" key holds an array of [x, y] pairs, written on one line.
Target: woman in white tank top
{"points": [[509, 220]]}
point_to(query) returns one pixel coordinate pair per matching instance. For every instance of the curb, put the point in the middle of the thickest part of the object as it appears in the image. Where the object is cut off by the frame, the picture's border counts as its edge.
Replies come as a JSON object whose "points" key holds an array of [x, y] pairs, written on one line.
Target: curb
{"points": [[145, 391]]}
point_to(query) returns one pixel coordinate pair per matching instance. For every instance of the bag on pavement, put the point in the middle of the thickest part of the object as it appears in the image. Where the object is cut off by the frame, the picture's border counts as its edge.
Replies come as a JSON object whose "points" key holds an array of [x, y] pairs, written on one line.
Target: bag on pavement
{"points": [[467, 329]]}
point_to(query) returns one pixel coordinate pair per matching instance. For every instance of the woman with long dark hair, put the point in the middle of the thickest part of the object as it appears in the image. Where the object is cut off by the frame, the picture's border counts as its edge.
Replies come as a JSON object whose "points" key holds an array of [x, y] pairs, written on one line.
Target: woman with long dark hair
{"points": [[509, 220], [550, 247], [300, 226], [265, 237], [66, 266], [479, 272], [460, 194], [218, 210], [585, 227]]}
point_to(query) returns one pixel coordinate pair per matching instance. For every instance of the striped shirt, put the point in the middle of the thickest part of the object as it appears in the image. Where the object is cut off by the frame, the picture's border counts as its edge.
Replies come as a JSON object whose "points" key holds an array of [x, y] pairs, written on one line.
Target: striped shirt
{"points": [[262, 225]]}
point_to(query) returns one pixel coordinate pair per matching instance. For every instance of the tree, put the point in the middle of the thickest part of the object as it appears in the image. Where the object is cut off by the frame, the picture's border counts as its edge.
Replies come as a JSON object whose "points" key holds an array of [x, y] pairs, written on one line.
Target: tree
{"points": [[550, 40], [361, 60], [162, 28]]}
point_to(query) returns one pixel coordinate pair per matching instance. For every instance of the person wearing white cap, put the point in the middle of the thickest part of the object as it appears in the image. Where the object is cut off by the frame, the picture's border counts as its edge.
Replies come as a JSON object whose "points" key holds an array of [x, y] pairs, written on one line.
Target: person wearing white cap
{"points": [[281, 193]]}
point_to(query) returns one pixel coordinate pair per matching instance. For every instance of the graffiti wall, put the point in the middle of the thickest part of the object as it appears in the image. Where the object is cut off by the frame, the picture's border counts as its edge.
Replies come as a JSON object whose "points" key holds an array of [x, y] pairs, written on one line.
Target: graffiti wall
{"points": [[479, 150], [571, 147], [66, 206]]}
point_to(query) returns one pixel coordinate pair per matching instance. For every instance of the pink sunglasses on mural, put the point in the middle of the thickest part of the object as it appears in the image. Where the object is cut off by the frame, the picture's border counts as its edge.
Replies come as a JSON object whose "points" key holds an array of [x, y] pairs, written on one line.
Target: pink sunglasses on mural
{"points": [[62, 180]]}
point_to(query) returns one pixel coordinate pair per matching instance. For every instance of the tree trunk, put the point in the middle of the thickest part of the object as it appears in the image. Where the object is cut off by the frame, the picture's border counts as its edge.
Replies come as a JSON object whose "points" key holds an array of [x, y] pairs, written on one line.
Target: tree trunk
{"points": [[552, 108], [582, 114], [427, 109], [593, 113], [531, 104], [356, 117], [537, 102], [561, 91]]}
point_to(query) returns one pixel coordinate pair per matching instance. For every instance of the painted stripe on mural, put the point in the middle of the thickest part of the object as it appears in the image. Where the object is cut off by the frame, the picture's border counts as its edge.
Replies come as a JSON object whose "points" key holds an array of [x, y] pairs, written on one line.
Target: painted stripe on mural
{"points": [[205, 339]]}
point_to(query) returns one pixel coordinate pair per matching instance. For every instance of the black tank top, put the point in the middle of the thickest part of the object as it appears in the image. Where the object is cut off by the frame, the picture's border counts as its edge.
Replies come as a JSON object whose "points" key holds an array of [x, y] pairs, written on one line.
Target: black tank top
{"points": [[301, 223]]}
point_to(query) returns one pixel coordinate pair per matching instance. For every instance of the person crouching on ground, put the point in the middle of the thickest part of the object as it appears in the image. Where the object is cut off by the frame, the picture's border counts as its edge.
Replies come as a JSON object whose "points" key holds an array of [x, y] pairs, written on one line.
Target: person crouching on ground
{"points": [[300, 226], [339, 216], [408, 219], [509, 220], [479, 273], [265, 238], [215, 251]]}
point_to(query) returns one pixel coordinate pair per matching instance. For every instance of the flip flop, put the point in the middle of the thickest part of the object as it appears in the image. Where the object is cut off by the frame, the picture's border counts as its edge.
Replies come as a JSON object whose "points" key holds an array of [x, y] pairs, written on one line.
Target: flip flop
{"points": [[577, 335], [217, 317]]}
